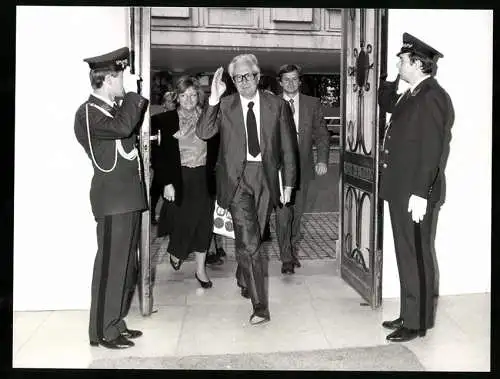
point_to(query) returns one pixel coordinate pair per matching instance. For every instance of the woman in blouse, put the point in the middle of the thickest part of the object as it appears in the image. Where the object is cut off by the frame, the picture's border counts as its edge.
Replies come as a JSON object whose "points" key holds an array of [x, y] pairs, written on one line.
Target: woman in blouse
{"points": [[186, 172]]}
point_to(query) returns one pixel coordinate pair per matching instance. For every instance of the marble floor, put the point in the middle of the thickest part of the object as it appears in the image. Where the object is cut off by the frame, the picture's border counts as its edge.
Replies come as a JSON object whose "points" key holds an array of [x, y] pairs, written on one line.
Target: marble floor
{"points": [[313, 309]]}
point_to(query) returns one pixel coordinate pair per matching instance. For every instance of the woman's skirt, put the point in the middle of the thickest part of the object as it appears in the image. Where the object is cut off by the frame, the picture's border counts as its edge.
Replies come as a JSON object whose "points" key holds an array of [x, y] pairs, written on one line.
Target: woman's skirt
{"points": [[189, 224]]}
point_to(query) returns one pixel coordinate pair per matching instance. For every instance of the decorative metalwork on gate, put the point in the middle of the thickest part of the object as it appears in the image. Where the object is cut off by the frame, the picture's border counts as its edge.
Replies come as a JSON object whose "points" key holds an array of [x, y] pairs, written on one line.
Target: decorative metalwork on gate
{"points": [[361, 258], [359, 69]]}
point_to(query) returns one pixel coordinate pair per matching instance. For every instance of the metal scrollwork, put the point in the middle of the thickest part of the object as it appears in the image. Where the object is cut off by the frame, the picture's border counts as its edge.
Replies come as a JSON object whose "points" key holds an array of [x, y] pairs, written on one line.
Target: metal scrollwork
{"points": [[353, 248]]}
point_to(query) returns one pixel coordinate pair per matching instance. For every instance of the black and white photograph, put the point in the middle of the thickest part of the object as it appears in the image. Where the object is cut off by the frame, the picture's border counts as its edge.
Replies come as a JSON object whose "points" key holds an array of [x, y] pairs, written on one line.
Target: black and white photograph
{"points": [[270, 189]]}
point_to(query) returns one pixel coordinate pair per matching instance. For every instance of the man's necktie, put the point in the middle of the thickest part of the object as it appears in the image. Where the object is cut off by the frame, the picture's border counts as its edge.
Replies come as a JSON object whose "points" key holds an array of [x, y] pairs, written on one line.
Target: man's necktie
{"points": [[253, 139], [291, 106]]}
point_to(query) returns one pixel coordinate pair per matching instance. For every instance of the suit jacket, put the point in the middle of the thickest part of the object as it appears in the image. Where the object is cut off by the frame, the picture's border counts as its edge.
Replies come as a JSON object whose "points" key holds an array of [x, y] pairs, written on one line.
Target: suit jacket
{"points": [[416, 142], [312, 127], [167, 163], [278, 143], [120, 190]]}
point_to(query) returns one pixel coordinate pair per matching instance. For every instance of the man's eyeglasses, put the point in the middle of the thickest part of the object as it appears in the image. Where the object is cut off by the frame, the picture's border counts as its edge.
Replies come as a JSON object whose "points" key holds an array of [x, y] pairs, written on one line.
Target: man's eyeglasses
{"points": [[239, 78]]}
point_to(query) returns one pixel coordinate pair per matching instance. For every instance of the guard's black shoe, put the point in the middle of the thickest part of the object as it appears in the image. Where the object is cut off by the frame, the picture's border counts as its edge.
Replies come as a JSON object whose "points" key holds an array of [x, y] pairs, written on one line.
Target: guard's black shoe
{"points": [[119, 342], [404, 334], [130, 333], [394, 324]]}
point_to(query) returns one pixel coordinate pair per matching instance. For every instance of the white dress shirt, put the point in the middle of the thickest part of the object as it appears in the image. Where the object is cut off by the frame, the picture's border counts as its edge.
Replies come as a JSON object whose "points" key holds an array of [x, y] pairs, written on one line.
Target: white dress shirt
{"points": [[296, 107], [256, 111]]}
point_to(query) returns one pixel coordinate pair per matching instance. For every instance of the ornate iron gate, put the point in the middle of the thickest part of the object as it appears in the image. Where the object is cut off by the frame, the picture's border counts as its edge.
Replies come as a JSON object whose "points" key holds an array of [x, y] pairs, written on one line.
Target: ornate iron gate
{"points": [[361, 210]]}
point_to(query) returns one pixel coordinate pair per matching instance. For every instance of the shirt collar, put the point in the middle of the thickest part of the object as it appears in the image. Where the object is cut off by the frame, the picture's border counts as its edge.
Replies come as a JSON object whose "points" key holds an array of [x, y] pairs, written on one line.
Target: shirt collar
{"points": [[255, 99], [412, 88], [288, 98], [107, 101]]}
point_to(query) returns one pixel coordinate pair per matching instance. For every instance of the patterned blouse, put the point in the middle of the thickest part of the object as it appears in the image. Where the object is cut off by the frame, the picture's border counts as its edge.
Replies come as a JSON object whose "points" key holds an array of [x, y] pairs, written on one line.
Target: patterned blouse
{"points": [[193, 149]]}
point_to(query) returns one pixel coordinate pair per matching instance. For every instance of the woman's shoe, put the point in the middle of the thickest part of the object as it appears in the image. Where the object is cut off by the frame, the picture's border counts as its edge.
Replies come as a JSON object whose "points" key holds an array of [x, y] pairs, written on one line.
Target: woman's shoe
{"points": [[202, 283], [175, 266]]}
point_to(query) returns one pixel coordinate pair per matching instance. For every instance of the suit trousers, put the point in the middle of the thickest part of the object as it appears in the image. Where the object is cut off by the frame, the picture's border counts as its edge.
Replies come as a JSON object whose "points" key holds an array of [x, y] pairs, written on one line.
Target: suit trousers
{"points": [[417, 265], [250, 210], [115, 274], [288, 224]]}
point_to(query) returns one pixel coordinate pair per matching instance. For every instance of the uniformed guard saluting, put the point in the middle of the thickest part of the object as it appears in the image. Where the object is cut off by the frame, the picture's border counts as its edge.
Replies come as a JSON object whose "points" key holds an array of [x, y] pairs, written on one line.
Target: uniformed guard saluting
{"points": [[108, 133], [412, 158]]}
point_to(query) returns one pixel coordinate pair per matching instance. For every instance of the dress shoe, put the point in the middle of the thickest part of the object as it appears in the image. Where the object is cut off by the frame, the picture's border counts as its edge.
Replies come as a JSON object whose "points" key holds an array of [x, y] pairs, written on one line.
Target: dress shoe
{"points": [[202, 283], [130, 333], [287, 268], [394, 324], [245, 293], [214, 259], [404, 334], [220, 252], [175, 266], [258, 318], [119, 342]]}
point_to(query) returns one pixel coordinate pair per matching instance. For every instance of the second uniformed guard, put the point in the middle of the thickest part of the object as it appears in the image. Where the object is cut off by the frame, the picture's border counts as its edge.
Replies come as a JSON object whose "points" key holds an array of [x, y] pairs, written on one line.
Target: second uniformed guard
{"points": [[413, 156], [108, 133]]}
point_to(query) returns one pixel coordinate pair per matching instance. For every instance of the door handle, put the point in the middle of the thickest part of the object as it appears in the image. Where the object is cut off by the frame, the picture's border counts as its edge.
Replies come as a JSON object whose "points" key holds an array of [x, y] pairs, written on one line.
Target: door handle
{"points": [[156, 138]]}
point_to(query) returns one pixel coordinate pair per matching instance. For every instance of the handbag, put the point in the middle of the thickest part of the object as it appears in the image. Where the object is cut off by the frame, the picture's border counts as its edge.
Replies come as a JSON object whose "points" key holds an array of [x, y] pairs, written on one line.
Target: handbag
{"points": [[223, 222]]}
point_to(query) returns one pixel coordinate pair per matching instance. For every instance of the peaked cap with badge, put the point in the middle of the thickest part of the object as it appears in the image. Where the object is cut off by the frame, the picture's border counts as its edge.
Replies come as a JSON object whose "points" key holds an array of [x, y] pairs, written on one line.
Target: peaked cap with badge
{"points": [[413, 45], [116, 60]]}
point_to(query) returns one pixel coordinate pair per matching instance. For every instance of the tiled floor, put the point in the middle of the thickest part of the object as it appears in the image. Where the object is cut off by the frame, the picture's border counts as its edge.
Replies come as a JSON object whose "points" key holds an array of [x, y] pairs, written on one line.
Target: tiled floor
{"points": [[313, 309], [319, 235]]}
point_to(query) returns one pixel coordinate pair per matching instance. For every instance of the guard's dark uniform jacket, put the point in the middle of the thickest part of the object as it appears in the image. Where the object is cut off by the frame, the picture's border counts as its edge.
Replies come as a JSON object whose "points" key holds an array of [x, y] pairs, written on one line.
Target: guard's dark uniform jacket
{"points": [[420, 128], [116, 186]]}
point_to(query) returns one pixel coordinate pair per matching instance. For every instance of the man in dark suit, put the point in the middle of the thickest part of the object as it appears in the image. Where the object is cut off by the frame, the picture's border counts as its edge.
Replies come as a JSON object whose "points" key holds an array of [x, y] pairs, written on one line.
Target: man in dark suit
{"points": [[107, 132], [257, 139], [412, 162], [310, 126]]}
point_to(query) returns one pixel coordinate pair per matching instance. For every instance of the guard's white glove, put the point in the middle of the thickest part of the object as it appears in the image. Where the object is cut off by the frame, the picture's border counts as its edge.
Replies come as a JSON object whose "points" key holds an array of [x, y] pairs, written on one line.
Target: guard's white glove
{"points": [[169, 192], [417, 206], [130, 81]]}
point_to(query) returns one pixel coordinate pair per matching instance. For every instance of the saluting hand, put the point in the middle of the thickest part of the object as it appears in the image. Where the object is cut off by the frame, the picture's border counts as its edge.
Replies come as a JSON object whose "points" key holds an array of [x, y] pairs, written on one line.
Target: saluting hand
{"points": [[130, 81], [218, 86]]}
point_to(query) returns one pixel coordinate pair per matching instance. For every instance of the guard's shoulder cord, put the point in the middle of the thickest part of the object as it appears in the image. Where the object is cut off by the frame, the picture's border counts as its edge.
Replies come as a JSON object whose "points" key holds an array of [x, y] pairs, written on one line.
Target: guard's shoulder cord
{"points": [[130, 156], [90, 143]]}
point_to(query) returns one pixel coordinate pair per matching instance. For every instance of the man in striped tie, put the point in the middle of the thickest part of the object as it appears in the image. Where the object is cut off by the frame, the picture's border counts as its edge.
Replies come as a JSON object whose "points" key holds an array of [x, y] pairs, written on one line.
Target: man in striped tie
{"points": [[257, 140]]}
